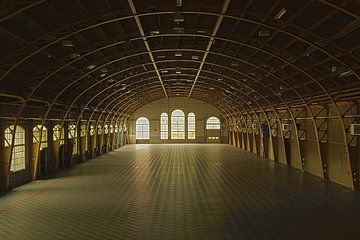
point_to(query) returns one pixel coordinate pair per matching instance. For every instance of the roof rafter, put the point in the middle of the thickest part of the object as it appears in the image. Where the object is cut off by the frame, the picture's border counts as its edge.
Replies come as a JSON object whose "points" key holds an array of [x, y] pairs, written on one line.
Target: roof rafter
{"points": [[141, 30], [214, 33]]}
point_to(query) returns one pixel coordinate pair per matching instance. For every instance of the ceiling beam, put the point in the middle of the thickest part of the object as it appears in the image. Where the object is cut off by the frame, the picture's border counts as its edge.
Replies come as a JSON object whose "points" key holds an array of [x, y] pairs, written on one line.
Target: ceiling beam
{"points": [[141, 30], [18, 11], [211, 41], [341, 8]]}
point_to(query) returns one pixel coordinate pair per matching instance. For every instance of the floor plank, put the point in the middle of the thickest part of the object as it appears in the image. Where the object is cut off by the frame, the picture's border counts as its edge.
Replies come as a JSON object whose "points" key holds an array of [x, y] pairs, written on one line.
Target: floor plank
{"points": [[180, 192]]}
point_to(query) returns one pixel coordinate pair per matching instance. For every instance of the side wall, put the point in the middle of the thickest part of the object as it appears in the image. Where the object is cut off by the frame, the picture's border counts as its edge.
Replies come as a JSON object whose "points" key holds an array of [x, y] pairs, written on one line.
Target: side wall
{"points": [[314, 139]]}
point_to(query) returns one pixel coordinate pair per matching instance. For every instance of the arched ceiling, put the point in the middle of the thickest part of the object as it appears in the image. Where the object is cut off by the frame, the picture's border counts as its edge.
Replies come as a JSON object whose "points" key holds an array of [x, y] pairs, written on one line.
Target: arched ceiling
{"points": [[114, 56]]}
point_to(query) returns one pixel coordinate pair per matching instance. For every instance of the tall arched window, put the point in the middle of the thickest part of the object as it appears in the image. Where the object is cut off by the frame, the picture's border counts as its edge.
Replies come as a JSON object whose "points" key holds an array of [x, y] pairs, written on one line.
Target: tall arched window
{"points": [[213, 123], [191, 126], [18, 155], [58, 134], [83, 134], [73, 136], [106, 129], [92, 130], [164, 126], [142, 128], [37, 133], [177, 124], [99, 129], [83, 130]]}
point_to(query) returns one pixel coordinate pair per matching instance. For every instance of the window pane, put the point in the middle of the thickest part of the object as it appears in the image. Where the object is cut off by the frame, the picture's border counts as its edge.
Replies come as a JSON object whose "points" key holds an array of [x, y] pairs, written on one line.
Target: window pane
{"points": [[142, 128], [18, 154], [213, 123], [178, 124], [164, 126]]}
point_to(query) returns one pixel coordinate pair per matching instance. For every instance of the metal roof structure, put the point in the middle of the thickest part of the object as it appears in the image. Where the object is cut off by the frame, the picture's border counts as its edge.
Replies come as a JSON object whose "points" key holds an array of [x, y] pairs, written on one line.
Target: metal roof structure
{"points": [[69, 58]]}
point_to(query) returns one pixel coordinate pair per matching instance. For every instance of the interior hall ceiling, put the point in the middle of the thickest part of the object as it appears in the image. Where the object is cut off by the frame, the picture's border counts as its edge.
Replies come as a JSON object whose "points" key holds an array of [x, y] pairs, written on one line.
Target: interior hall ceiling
{"points": [[117, 55]]}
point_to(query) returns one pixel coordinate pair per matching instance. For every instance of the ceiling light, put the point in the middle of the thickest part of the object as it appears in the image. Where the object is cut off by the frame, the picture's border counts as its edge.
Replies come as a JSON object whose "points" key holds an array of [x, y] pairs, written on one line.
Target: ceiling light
{"points": [[178, 72], [67, 43], [195, 57], [333, 68], [178, 54], [164, 71], [346, 73], [179, 29], [154, 32], [74, 55], [90, 67], [264, 33], [201, 31], [103, 75], [280, 13], [178, 18]]}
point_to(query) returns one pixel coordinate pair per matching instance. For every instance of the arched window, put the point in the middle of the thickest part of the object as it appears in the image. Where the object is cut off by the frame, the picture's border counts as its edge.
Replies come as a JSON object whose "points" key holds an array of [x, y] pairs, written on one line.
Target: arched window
{"points": [[99, 129], [116, 128], [164, 126], [191, 126], [177, 124], [83, 130], [58, 134], [142, 128], [18, 155], [83, 134], [92, 130], [36, 136], [213, 123], [106, 129], [111, 128], [73, 136]]}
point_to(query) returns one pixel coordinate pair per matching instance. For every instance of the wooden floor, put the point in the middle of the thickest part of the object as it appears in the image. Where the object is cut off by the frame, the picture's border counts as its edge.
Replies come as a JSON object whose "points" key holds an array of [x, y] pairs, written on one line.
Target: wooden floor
{"points": [[180, 192]]}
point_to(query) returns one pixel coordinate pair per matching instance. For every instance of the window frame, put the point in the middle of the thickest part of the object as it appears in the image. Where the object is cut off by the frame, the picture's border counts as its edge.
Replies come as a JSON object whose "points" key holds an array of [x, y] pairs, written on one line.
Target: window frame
{"points": [[18, 156], [177, 125], [72, 134], [212, 125], [58, 134], [36, 131], [164, 126], [144, 134], [191, 126]]}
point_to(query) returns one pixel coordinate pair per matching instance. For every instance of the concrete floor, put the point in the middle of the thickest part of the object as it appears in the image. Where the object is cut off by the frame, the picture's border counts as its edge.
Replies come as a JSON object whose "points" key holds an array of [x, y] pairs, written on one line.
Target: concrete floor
{"points": [[180, 192]]}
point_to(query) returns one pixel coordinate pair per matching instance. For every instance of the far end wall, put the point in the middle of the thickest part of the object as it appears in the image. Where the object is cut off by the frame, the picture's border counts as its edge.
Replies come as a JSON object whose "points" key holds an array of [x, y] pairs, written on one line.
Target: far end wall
{"points": [[202, 111]]}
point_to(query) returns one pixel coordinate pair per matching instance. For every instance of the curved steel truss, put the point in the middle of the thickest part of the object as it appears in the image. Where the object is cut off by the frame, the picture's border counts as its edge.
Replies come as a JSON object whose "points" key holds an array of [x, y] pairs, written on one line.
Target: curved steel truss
{"points": [[102, 60]]}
